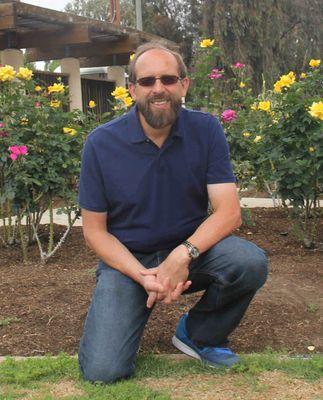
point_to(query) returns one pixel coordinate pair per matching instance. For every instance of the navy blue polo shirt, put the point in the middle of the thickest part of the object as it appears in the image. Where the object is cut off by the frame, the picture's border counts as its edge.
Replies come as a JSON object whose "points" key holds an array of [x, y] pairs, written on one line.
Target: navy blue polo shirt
{"points": [[155, 198]]}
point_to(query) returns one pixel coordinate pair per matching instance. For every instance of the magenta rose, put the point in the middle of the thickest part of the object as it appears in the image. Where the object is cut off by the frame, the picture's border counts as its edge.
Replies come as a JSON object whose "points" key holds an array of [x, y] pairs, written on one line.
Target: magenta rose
{"points": [[229, 115]]}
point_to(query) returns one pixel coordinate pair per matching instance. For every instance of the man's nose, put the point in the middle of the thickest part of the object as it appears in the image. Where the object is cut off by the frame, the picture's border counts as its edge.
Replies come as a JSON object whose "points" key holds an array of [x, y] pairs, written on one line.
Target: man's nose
{"points": [[158, 86]]}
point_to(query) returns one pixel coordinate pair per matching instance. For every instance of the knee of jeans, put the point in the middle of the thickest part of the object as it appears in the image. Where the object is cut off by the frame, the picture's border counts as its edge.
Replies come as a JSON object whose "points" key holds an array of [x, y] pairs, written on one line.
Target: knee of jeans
{"points": [[257, 269], [105, 372]]}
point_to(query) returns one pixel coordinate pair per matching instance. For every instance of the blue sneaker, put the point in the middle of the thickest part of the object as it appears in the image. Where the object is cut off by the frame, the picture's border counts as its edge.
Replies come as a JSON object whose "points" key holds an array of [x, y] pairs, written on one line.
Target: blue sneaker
{"points": [[213, 356]]}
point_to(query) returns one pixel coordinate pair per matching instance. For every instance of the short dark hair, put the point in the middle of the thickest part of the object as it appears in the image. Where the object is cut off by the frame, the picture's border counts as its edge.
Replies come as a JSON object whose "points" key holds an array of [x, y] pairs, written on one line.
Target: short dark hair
{"points": [[182, 70]]}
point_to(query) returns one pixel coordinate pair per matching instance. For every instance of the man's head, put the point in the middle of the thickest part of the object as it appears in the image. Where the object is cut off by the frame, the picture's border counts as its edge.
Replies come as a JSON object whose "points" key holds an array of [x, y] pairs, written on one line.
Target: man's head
{"points": [[158, 81]]}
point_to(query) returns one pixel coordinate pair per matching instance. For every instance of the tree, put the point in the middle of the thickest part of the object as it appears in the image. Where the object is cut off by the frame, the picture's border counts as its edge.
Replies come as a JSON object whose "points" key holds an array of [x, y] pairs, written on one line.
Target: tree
{"points": [[271, 36], [172, 20]]}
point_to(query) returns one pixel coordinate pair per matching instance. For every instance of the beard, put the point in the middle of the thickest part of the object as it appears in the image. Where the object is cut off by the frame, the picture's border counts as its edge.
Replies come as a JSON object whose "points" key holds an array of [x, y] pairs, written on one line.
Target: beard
{"points": [[158, 119]]}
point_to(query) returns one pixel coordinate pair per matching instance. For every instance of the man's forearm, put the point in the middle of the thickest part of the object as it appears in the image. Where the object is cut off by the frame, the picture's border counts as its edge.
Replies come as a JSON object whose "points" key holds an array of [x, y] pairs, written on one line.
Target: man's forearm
{"points": [[115, 254], [216, 227]]}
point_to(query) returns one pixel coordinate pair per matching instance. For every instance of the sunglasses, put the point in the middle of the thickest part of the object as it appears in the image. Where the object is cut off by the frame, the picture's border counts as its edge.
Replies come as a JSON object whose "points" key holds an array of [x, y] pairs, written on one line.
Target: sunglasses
{"points": [[151, 80]]}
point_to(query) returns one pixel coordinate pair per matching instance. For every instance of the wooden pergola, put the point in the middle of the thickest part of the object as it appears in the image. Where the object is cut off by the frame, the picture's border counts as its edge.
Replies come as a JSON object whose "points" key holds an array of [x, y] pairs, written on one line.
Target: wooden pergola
{"points": [[49, 35], [76, 41]]}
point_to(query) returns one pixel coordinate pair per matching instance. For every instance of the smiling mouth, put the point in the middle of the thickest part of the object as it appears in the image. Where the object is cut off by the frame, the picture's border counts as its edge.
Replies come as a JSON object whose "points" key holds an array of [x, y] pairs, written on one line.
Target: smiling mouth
{"points": [[160, 103]]}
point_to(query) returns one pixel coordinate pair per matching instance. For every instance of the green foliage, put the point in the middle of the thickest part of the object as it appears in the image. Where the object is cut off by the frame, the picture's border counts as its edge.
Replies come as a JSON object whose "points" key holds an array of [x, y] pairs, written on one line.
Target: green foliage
{"points": [[34, 118], [276, 144], [40, 156], [270, 36], [293, 147]]}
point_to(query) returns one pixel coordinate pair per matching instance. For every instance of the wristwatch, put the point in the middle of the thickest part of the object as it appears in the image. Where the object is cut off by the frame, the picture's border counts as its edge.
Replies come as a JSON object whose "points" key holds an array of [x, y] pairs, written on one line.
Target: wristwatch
{"points": [[193, 251]]}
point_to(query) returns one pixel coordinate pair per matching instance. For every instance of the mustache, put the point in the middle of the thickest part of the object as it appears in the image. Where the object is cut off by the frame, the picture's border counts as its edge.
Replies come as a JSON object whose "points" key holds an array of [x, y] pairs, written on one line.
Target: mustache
{"points": [[163, 97]]}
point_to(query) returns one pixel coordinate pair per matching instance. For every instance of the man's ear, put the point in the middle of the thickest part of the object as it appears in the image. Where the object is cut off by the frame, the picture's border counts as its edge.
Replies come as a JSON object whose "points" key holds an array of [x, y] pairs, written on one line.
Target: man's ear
{"points": [[132, 90], [185, 82]]}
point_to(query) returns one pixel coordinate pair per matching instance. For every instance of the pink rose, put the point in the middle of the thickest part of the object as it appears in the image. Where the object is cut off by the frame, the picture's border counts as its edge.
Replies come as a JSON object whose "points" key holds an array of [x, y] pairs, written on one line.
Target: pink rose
{"points": [[23, 150], [13, 156], [37, 104], [229, 115], [15, 150], [238, 65], [1, 125], [215, 74]]}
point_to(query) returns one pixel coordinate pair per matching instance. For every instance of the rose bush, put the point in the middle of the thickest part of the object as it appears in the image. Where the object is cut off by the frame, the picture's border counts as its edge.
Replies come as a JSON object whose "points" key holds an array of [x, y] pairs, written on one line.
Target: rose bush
{"points": [[40, 151], [40, 146], [275, 138]]}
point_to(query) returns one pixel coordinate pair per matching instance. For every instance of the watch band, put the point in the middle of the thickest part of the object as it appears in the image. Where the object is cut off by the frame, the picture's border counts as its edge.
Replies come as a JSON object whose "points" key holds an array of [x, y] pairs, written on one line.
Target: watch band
{"points": [[193, 251]]}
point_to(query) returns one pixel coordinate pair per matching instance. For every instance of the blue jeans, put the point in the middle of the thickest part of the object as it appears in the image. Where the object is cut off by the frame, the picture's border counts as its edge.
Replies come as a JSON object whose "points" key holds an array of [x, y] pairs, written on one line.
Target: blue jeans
{"points": [[230, 273]]}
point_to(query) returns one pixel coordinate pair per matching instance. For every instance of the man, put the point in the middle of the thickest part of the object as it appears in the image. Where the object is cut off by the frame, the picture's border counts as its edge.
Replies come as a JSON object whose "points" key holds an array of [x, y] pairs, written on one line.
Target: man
{"points": [[145, 183]]}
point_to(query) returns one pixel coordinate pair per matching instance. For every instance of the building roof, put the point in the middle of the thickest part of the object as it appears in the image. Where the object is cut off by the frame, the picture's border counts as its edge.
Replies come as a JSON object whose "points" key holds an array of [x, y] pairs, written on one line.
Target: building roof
{"points": [[49, 34]]}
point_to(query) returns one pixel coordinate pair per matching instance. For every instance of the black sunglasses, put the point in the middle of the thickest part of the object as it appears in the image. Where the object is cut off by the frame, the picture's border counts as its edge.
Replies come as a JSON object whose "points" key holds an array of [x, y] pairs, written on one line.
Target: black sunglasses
{"points": [[151, 80]]}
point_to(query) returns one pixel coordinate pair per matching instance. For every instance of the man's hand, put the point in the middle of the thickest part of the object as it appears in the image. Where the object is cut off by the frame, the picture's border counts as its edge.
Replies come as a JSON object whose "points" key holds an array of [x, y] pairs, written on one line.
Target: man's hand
{"points": [[172, 274], [152, 287]]}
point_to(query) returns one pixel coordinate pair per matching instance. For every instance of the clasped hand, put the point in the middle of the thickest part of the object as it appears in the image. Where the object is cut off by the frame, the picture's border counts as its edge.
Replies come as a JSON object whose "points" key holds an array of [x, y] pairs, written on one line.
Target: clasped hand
{"points": [[168, 281]]}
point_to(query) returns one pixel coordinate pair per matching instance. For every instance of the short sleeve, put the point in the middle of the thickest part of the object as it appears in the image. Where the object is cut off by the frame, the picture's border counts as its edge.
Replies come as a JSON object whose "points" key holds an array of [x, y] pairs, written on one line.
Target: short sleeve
{"points": [[91, 186], [219, 168]]}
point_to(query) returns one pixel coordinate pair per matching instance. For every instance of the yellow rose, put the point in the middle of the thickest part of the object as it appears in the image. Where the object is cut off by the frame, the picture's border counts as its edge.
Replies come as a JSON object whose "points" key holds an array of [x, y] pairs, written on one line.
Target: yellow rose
{"points": [[284, 81], [25, 74], [246, 134], [128, 101], [120, 92], [7, 73], [56, 88], [92, 104], [55, 103], [314, 63], [257, 139], [69, 131], [38, 88], [242, 85], [303, 75], [24, 121], [311, 149], [206, 43], [316, 110], [264, 106], [278, 87]]}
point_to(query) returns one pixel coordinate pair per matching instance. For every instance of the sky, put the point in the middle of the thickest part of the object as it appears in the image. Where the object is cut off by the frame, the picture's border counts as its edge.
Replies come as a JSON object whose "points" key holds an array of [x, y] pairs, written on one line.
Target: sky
{"points": [[52, 4]]}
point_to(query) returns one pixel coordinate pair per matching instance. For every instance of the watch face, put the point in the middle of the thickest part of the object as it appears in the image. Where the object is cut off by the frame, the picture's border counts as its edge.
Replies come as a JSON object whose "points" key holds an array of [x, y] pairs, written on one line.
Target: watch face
{"points": [[194, 252]]}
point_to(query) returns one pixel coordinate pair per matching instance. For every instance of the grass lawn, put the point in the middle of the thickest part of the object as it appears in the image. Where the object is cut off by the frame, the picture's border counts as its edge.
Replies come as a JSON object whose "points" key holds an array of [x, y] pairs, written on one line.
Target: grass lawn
{"points": [[259, 376]]}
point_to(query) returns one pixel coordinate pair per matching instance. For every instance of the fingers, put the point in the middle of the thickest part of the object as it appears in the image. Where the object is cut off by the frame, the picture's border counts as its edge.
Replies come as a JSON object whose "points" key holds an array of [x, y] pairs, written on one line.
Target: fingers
{"points": [[180, 288], [154, 287], [152, 297], [150, 271], [177, 292], [166, 285]]}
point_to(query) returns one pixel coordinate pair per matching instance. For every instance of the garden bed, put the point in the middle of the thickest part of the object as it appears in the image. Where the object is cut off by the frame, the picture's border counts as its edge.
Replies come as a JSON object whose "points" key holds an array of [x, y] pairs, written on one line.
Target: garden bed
{"points": [[42, 308]]}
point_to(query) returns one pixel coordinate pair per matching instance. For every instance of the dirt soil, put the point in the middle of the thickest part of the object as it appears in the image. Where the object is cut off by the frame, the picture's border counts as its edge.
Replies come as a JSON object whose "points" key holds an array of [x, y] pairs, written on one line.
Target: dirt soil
{"points": [[43, 307]]}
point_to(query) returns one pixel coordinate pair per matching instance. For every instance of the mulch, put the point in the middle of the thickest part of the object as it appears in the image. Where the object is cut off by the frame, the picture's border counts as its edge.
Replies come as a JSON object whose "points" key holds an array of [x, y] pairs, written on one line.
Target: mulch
{"points": [[47, 304]]}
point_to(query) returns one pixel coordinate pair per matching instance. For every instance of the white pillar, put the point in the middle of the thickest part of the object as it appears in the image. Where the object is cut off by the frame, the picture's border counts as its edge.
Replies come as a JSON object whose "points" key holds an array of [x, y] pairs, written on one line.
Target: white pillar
{"points": [[13, 57], [117, 74], [71, 66]]}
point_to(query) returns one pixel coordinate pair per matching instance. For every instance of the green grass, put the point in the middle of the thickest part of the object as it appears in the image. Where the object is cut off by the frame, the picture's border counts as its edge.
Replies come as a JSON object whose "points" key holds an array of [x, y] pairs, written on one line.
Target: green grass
{"points": [[19, 378], [9, 320]]}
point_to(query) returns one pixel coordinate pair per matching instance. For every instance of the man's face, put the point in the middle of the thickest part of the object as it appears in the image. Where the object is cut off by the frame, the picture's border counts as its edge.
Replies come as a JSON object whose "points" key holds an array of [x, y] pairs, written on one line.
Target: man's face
{"points": [[158, 104]]}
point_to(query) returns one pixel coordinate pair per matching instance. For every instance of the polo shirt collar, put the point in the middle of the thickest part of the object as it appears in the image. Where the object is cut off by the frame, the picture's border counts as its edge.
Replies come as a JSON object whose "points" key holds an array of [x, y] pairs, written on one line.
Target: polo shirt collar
{"points": [[136, 132]]}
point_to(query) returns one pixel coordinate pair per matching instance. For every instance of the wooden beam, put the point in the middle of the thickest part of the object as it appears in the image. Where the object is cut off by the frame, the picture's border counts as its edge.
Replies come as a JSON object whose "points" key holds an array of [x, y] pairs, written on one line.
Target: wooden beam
{"points": [[85, 50], [104, 61], [7, 16], [49, 38], [59, 17]]}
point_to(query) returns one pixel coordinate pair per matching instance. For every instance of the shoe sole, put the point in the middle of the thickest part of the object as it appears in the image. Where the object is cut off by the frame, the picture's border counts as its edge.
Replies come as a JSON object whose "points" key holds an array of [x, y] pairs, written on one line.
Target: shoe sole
{"points": [[184, 348], [190, 352]]}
